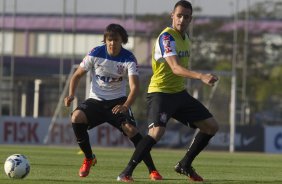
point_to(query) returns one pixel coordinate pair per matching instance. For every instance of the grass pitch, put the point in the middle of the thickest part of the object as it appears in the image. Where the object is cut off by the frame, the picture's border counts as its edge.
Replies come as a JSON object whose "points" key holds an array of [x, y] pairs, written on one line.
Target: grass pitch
{"points": [[59, 165]]}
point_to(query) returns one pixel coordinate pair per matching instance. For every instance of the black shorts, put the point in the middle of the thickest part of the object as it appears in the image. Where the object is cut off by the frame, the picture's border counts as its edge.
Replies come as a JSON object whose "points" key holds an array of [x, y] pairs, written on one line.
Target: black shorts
{"points": [[180, 106], [99, 112]]}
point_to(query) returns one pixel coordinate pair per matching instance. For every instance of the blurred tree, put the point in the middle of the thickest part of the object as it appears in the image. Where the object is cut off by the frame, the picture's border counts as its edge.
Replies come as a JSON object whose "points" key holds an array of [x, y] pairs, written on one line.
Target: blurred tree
{"points": [[266, 9]]}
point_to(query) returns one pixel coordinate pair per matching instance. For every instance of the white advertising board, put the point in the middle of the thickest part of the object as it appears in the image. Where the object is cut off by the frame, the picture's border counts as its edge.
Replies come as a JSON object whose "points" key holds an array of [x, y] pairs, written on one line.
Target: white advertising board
{"points": [[273, 139]]}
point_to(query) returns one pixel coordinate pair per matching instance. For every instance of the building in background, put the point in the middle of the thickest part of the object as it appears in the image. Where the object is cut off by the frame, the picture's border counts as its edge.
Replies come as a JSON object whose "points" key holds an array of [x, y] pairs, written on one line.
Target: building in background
{"points": [[45, 47]]}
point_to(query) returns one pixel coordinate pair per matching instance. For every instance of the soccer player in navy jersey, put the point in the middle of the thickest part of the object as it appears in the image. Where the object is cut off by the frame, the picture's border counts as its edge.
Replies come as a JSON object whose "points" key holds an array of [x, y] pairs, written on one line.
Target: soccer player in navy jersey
{"points": [[167, 97], [109, 64]]}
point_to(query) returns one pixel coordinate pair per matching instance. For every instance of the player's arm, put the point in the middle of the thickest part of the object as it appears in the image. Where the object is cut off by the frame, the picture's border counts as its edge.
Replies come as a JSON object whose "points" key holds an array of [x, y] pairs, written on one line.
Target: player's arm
{"points": [[73, 85], [134, 89], [177, 69]]}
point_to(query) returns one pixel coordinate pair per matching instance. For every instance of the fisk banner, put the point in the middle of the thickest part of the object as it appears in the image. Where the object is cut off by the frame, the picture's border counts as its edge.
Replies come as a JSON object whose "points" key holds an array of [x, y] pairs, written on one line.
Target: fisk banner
{"points": [[28, 130]]}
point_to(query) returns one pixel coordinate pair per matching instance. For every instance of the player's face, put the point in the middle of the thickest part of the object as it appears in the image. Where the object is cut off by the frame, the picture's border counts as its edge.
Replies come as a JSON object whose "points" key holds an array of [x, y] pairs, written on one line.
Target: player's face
{"points": [[114, 43], [181, 18]]}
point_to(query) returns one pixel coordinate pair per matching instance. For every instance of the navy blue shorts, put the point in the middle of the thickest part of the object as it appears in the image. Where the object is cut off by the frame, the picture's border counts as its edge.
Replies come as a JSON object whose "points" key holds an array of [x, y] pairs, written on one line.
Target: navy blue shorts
{"points": [[180, 106], [99, 112]]}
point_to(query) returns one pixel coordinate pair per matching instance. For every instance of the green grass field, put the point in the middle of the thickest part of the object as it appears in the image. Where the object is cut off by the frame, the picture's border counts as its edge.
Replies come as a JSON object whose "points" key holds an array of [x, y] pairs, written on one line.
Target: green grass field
{"points": [[54, 165]]}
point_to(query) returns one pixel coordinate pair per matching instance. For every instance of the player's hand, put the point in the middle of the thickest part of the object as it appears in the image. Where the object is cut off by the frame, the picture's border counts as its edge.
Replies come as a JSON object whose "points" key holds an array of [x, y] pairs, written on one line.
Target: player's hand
{"points": [[209, 79], [119, 109], [68, 100]]}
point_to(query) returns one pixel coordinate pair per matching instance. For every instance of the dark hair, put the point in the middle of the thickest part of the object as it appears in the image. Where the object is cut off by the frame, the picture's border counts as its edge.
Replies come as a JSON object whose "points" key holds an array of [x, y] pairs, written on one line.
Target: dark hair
{"points": [[185, 4], [114, 29]]}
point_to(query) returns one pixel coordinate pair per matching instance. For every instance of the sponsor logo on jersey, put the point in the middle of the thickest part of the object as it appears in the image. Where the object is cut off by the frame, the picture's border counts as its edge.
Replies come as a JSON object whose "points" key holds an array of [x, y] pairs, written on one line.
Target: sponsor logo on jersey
{"points": [[108, 79], [166, 43], [183, 53]]}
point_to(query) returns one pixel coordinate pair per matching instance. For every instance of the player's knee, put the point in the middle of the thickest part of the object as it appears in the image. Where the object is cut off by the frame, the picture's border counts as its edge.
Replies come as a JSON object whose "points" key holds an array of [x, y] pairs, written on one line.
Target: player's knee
{"points": [[129, 129], [213, 127], [209, 126], [78, 117], [156, 133]]}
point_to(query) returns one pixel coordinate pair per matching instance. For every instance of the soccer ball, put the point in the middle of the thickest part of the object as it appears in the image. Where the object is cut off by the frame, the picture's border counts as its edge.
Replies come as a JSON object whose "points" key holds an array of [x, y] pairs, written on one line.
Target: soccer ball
{"points": [[17, 166]]}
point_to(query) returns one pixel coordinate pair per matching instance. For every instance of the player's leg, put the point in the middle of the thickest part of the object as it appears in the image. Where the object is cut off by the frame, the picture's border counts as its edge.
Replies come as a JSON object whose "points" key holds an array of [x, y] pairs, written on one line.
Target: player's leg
{"points": [[195, 112], [157, 116], [132, 132], [83, 114], [208, 128], [126, 123], [135, 137], [79, 124], [143, 148], [198, 116]]}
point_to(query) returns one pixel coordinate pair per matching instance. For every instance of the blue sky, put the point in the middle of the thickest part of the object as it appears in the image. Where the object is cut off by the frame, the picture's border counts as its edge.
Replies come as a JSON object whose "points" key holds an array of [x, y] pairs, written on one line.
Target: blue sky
{"points": [[209, 7]]}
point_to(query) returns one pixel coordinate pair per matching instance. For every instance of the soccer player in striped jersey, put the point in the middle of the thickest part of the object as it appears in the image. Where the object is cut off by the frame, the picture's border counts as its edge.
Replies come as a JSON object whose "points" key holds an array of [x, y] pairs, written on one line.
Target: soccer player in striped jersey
{"points": [[167, 97], [109, 65]]}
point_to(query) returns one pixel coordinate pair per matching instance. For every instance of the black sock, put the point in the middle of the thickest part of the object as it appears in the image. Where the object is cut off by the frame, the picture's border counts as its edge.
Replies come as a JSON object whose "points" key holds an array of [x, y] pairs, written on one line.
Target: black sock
{"points": [[82, 138], [147, 158], [144, 147], [199, 143]]}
